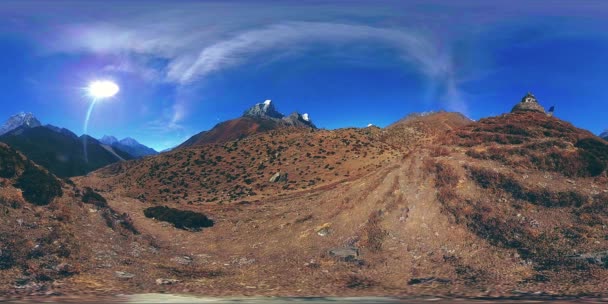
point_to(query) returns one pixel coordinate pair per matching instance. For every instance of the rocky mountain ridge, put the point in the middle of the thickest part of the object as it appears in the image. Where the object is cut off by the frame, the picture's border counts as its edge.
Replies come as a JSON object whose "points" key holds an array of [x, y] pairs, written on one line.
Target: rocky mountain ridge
{"points": [[26, 120], [129, 145], [262, 117]]}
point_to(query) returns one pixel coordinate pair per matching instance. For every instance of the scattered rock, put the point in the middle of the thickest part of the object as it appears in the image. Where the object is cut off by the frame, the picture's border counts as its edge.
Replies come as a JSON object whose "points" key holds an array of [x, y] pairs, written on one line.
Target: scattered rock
{"points": [[124, 275], [162, 281], [184, 260], [243, 261], [348, 254], [66, 269], [278, 177], [598, 258], [323, 230]]}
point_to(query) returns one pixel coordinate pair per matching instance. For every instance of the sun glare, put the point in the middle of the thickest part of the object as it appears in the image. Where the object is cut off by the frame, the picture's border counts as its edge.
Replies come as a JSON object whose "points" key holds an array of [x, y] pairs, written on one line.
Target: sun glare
{"points": [[102, 89]]}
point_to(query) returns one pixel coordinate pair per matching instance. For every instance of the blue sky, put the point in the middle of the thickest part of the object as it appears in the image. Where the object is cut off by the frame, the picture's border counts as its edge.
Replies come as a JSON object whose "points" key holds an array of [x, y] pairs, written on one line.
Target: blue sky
{"points": [[183, 66]]}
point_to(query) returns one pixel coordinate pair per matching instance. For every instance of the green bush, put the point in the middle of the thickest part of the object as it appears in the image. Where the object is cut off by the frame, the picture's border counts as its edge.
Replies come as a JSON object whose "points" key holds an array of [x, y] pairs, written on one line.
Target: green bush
{"points": [[38, 186], [179, 218]]}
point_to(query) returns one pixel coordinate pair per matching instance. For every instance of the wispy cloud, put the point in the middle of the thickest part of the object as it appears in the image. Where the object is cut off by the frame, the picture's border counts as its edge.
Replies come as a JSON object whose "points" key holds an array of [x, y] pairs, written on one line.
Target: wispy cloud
{"points": [[193, 56], [195, 39]]}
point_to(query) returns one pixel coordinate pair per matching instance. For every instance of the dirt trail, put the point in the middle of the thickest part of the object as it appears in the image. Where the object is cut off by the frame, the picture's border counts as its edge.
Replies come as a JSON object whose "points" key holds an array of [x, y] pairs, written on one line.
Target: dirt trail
{"points": [[273, 247]]}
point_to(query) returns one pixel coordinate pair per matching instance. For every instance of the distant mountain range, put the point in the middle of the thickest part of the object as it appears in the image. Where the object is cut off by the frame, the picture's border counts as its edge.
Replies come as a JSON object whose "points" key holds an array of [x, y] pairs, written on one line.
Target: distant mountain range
{"points": [[604, 135], [262, 117], [60, 150], [129, 145]]}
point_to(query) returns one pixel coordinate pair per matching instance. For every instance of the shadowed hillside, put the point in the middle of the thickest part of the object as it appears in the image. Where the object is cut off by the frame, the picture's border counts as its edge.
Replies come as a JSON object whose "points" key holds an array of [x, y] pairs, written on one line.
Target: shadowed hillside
{"points": [[61, 153]]}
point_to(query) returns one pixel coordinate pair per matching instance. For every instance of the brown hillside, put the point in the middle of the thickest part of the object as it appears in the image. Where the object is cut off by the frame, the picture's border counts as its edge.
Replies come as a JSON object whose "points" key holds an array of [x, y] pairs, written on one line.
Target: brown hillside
{"points": [[452, 208], [230, 130], [422, 128], [54, 234], [241, 169]]}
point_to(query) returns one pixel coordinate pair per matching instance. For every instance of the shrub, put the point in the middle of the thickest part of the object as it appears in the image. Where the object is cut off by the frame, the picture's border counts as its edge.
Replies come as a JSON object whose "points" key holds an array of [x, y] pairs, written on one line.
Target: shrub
{"points": [[374, 234], [13, 250], [92, 197], [9, 161], [181, 219], [38, 186], [495, 181]]}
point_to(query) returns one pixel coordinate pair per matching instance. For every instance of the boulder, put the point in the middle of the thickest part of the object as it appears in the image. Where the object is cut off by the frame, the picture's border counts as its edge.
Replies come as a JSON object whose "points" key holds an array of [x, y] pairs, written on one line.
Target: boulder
{"points": [[347, 254], [278, 177]]}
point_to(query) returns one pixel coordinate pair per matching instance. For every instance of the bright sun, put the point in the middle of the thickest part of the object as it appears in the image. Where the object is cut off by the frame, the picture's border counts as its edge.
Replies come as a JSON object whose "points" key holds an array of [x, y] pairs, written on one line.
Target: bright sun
{"points": [[102, 89]]}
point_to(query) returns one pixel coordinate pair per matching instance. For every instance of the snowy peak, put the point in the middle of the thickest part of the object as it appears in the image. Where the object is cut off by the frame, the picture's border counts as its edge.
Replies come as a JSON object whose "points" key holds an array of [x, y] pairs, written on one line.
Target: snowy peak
{"points": [[108, 140], [604, 135], [265, 109], [129, 145], [26, 120]]}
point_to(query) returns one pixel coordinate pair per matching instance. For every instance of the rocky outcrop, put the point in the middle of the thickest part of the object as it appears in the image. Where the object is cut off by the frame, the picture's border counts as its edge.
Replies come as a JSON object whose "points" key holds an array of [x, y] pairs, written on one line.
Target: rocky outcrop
{"points": [[266, 110], [528, 104], [25, 120], [263, 110], [278, 177]]}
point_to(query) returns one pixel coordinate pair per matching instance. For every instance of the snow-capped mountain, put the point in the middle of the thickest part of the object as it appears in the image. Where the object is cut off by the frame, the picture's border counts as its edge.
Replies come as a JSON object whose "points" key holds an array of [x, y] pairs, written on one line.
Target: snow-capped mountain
{"points": [[26, 120], [128, 145], [261, 117], [266, 110], [604, 135]]}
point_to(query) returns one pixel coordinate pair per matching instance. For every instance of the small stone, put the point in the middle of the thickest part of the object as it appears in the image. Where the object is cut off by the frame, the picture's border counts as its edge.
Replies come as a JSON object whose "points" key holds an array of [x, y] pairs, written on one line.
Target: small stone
{"points": [[162, 281], [346, 254], [323, 230], [184, 260], [124, 275]]}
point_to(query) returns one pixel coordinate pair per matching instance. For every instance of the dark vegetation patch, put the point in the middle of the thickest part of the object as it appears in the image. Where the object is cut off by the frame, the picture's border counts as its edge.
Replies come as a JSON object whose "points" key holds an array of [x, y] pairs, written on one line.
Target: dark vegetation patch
{"points": [[192, 272], [429, 280], [532, 140], [91, 197], [13, 250], [10, 162], [45, 258], [497, 182], [594, 154], [555, 155], [493, 220], [374, 235], [182, 219], [112, 218], [39, 187], [359, 282]]}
